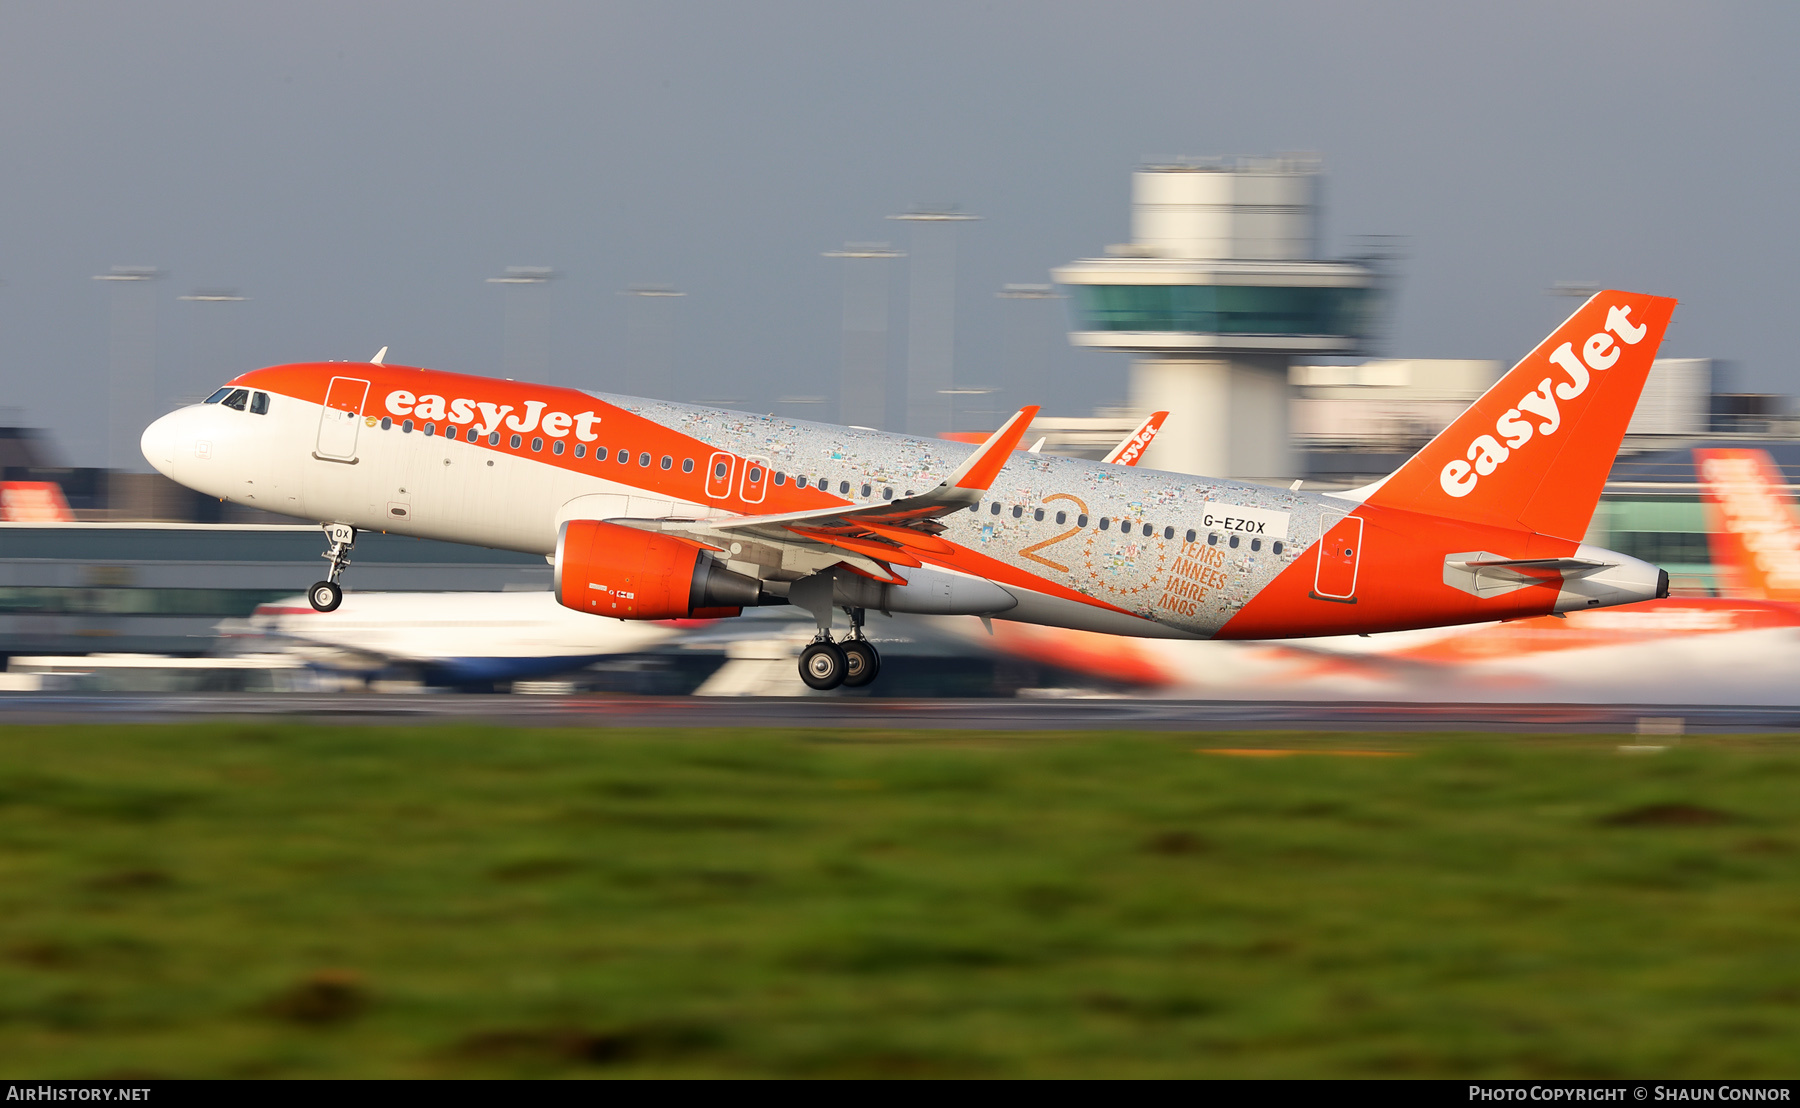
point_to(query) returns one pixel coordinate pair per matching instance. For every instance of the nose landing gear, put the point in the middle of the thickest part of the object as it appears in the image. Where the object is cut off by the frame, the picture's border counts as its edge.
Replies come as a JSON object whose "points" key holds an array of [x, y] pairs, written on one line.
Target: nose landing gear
{"points": [[825, 664], [326, 595]]}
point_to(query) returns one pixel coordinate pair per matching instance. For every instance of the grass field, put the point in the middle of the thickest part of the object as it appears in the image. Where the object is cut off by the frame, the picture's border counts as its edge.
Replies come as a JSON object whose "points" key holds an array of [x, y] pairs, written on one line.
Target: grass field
{"points": [[301, 900]]}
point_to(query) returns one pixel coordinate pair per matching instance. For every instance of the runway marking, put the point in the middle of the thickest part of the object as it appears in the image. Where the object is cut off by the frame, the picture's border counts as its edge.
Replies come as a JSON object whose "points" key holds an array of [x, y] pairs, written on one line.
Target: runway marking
{"points": [[1262, 752]]}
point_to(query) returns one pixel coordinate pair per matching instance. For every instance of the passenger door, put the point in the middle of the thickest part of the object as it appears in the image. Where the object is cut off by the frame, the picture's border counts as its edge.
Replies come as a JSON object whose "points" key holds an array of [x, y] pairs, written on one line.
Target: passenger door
{"points": [[337, 423]]}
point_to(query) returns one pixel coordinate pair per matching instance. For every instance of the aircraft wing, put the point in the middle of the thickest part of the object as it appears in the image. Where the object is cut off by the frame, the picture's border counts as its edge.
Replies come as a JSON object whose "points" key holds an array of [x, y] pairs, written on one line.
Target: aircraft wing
{"points": [[868, 537]]}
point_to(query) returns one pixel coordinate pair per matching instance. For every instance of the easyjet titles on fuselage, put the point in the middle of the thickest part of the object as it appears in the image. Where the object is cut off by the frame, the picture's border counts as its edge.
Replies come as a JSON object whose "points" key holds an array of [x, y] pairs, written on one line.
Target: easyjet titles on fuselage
{"points": [[428, 406]]}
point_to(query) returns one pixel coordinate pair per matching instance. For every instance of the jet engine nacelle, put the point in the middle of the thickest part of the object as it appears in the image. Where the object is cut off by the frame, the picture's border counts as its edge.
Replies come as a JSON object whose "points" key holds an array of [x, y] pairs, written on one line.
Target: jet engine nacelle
{"points": [[608, 570]]}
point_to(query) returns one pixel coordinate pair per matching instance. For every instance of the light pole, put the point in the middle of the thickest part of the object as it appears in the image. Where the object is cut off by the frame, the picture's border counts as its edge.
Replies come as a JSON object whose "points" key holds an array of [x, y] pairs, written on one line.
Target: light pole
{"points": [[863, 387], [931, 308], [950, 396], [132, 389], [650, 341], [525, 341], [1026, 337], [212, 343]]}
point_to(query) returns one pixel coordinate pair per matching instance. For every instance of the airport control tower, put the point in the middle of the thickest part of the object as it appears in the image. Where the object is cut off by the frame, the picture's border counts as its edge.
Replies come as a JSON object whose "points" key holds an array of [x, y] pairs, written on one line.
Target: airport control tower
{"points": [[1219, 288]]}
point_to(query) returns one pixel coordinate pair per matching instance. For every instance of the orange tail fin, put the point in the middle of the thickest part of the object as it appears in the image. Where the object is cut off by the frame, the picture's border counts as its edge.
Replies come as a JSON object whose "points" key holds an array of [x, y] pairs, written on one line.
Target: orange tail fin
{"points": [[1753, 534], [1535, 450]]}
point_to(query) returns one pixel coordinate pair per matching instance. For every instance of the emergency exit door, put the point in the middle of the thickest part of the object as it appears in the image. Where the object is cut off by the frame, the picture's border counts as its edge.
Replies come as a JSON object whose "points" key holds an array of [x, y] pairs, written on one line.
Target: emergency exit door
{"points": [[718, 475], [337, 423], [1340, 551]]}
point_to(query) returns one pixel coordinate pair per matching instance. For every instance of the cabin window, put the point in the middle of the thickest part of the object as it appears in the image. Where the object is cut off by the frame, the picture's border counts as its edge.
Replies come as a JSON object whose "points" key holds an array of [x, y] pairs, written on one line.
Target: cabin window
{"points": [[1105, 523], [1191, 536], [624, 456], [865, 489], [994, 508], [1018, 511], [1275, 548], [580, 449], [975, 507], [556, 447], [515, 441], [386, 423], [406, 428], [1061, 518], [537, 445], [1232, 542], [430, 429], [1038, 515], [494, 438], [800, 481], [644, 459], [237, 399], [887, 494], [218, 396], [687, 465], [474, 433], [843, 488], [1212, 540], [1081, 520], [259, 403], [780, 478], [1168, 532], [721, 470], [1256, 544], [668, 462]]}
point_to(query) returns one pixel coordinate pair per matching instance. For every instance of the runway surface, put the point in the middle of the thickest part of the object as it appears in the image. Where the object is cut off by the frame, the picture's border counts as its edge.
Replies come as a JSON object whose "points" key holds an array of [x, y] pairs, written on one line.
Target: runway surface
{"points": [[883, 714]]}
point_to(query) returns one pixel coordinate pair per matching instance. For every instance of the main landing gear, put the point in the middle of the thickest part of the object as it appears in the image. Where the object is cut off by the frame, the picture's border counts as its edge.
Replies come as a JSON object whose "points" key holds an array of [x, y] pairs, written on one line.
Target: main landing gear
{"points": [[825, 664], [326, 595]]}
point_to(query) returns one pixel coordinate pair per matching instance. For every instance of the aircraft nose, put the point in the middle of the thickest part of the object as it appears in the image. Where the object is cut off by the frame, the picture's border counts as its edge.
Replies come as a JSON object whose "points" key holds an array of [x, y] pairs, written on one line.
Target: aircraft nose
{"points": [[158, 442]]}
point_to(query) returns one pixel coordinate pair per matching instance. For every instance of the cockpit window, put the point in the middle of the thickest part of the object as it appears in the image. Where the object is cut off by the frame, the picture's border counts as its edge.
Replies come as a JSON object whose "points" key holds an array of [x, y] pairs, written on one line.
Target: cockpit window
{"points": [[259, 403], [237, 399], [218, 396]]}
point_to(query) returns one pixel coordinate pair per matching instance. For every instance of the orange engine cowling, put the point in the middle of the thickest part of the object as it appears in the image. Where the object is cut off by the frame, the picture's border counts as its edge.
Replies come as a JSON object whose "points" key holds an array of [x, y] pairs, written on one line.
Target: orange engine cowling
{"points": [[609, 570]]}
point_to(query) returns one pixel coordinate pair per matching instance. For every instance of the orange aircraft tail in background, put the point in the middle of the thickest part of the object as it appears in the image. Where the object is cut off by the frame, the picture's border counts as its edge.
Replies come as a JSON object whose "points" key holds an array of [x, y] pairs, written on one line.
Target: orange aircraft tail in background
{"points": [[1752, 532]]}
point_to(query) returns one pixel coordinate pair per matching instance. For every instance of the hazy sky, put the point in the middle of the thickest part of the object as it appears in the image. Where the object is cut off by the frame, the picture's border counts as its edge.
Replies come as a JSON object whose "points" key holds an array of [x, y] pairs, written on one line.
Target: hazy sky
{"points": [[358, 169]]}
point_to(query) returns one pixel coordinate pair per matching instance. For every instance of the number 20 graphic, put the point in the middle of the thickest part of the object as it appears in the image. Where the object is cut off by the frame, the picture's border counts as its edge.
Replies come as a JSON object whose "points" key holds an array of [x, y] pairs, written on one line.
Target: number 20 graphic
{"points": [[1031, 551]]}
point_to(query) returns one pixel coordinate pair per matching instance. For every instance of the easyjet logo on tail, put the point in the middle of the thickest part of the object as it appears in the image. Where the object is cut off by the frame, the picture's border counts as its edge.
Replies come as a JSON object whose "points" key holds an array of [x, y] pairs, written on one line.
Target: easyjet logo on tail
{"points": [[1537, 412]]}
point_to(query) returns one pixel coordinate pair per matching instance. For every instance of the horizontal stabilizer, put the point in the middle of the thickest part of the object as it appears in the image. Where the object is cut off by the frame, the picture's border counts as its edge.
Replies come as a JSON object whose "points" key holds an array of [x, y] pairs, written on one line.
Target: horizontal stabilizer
{"points": [[1479, 573]]}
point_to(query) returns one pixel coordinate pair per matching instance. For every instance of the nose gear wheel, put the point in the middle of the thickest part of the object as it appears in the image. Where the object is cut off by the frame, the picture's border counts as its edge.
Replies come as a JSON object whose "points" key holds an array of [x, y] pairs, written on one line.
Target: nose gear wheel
{"points": [[326, 595]]}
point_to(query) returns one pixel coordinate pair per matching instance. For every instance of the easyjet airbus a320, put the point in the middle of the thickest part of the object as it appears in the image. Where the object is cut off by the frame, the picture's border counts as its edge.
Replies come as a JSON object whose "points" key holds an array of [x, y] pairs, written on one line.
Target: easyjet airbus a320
{"points": [[651, 510]]}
